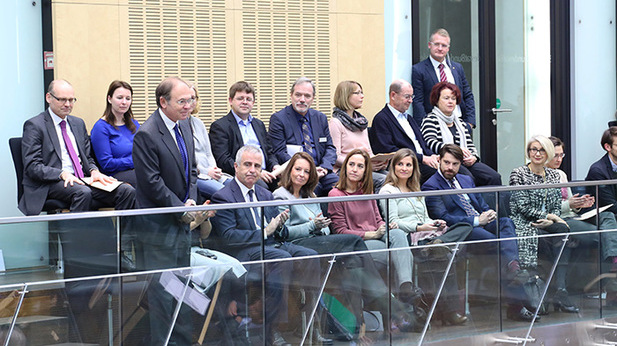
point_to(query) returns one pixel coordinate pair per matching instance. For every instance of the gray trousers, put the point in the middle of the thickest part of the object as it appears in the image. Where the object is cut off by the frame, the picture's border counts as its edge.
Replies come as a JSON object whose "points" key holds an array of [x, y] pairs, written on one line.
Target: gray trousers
{"points": [[402, 260]]}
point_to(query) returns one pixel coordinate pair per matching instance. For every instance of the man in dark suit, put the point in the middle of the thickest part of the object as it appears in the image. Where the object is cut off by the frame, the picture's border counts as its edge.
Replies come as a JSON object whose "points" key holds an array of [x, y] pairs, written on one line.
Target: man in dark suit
{"points": [[472, 209], [394, 129], [298, 127], [438, 68], [163, 154], [56, 155], [239, 128], [240, 234], [605, 169]]}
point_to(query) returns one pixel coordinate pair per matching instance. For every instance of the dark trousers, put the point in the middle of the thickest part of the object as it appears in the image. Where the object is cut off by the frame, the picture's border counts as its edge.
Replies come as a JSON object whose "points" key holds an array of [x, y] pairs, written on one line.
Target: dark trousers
{"points": [[482, 174], [162, 304], [325, 184], [81, 196], [278, 277]]}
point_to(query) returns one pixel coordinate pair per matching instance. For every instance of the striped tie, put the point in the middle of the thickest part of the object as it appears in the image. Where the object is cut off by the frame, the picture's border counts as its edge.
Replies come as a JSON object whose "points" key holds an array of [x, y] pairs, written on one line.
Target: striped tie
{"points": [[306, 136], [442, 74], [469, 209]]}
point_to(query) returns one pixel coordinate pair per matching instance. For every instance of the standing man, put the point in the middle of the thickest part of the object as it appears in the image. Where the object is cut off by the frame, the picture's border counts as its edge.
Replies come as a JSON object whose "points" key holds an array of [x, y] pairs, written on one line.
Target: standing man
{"points": [[56, 156], [472, 209], [439, 68], [394, 129], [298, 127], [163, 154], [239, 128], [241, 236]]}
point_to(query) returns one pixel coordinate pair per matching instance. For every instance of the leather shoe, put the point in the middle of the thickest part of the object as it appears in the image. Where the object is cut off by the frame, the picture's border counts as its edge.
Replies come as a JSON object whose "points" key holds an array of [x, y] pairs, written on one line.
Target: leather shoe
{"points": [[319, 339], [561, 302], [437, 253], [453, 318], [521, 315]]}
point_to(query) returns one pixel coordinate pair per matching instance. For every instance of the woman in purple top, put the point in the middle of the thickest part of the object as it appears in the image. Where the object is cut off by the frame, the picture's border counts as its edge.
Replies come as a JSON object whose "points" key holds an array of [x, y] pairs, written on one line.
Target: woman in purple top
{"points": [[112, 135]]}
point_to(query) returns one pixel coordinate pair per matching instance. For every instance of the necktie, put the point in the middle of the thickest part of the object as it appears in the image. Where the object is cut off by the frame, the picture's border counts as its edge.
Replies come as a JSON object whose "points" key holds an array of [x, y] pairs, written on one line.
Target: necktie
{"points": [[442, 74], [306, 136], [255, 211], [469, 209], [79, 172], [185, 158]]}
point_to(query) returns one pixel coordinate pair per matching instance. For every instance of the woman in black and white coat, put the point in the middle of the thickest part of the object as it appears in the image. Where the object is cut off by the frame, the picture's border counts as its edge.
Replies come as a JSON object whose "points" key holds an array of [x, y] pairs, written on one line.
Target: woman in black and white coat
{"points": [[443, 126]]}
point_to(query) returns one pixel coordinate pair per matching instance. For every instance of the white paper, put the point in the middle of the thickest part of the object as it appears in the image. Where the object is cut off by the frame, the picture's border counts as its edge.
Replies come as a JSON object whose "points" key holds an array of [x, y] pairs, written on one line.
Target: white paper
{"points": [[592, 213], [196, 300], [2, 267], [292, 149]]}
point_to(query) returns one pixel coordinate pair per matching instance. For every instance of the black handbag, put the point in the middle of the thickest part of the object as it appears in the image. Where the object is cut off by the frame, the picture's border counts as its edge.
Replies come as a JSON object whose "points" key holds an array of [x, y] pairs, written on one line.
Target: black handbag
{"points": [[534, 287]]}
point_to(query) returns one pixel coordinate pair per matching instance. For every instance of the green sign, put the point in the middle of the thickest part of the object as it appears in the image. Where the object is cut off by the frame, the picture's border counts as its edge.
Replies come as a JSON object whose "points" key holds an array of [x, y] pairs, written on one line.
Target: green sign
{"points": [[498, 104]]}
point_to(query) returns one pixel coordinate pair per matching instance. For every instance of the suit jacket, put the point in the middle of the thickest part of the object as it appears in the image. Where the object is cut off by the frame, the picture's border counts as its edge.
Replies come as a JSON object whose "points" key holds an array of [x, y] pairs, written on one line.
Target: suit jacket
{"points": [[284, 129], [42, 158], [449, 207], [423, 78], [160, 177], [388, 136], [234, 229], [226, 140], [603, 170]]}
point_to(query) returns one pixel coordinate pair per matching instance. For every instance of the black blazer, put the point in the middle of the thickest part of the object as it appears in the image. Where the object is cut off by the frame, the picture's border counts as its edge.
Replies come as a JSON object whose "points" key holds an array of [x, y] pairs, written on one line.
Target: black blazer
{"points": [[226, 140], [387, 135], [423, 78], [160, 177], [42, 158], [603, 170]]}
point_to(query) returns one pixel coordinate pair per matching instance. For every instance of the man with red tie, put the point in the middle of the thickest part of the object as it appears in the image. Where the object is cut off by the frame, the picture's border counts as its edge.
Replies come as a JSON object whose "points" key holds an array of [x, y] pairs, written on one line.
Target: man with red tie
{"points": [[439, 68], [56, 156]]}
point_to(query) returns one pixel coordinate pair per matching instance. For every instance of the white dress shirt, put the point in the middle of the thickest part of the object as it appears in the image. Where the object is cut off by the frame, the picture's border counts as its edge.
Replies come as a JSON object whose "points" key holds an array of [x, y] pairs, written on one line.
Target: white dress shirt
{"points": [[402, 120], [67, 165]]}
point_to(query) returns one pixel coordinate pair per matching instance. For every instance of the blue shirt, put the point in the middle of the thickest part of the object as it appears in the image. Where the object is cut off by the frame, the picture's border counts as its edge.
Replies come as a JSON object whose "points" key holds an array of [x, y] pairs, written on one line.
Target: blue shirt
{"points": [[249, 136], [113, 147]]}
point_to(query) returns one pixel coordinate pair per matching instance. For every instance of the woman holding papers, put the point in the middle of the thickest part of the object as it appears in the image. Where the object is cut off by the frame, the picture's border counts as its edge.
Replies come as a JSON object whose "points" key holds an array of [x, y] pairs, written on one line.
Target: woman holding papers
{"points": [[571, 205], [112, 135], [308, 227], [348, 128], [538, 211], [444, 126]]}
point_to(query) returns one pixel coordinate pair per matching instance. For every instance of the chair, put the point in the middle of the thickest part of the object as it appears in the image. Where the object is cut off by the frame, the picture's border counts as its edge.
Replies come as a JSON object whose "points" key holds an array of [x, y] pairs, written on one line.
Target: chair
{"points": [[51, 206]]}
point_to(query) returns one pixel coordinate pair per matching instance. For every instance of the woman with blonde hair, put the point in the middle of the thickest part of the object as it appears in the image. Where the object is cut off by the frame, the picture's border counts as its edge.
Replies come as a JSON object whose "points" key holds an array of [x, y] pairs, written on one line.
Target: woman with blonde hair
{"points": [[538, 211], [348, 128]]}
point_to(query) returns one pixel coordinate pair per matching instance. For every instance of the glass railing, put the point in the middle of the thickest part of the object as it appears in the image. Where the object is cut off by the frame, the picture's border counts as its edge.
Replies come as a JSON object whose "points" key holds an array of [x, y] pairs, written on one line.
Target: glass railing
{"points": [[116, 277]]}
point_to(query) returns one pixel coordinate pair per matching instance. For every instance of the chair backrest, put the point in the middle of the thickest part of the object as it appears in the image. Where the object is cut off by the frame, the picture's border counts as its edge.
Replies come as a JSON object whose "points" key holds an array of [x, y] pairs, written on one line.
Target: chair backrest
{"points": [[15, 145]]}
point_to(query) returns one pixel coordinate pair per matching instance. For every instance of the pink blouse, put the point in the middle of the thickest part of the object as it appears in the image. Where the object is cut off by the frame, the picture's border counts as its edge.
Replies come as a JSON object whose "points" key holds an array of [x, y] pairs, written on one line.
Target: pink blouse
{"points": [[345, 141], [354, 217]]}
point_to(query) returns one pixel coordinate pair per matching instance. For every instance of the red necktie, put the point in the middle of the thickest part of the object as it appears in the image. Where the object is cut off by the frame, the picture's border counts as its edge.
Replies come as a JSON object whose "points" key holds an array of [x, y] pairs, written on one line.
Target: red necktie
{"points": [[79, 172], [442, 73]]}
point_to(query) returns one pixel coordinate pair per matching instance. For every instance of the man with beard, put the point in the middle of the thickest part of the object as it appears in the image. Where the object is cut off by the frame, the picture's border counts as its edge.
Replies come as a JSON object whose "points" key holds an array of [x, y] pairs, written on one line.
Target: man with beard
{"points": [[298, 127], [472, 209]]}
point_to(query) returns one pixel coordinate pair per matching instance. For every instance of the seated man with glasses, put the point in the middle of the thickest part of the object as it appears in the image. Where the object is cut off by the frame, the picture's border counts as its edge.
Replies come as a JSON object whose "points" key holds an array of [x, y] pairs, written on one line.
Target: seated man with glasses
{"points": [[239, 128], [438, 68], [57, 159], [394, 129]]}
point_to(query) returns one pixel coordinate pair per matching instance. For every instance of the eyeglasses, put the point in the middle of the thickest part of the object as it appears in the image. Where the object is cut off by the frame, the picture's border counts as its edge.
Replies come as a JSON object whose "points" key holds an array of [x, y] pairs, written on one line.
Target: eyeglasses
{"points": [[408, 96], [182, 102], [63, 100], [440, 45], [560, 156], [244, 98], [534, 151], [357, 92]]}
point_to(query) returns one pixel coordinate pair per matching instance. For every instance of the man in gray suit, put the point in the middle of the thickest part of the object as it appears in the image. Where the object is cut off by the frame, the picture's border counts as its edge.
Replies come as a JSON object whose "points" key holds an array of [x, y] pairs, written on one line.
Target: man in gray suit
{"points": [[163, 153], [56, 156]]}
